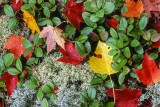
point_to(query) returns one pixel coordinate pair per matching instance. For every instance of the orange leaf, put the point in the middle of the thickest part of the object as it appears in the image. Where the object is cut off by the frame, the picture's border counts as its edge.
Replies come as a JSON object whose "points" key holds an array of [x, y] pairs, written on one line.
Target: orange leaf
{"points": [[16, 47], [134, 8]]}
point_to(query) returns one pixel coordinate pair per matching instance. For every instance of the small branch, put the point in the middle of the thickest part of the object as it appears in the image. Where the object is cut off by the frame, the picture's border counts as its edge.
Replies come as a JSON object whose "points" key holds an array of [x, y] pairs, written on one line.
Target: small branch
{"points": [[113, 90]]}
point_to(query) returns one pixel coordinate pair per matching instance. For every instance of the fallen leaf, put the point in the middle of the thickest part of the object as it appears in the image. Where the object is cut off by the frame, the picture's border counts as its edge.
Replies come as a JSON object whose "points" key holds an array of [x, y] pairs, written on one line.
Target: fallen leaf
{"points": [[70, 55], [11, 82], [112, 22], [151, 8], [156, 44], [156, 26], [32, 24], [102, 65], [16, 47], [149, 73], [53, 36], [74, 13], [125, 97], [134, 8], [16, 5]]}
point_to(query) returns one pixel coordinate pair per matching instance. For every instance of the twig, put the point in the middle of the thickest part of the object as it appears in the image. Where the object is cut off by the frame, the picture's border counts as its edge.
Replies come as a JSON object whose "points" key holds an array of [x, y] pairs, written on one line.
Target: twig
{"points": [[113, 90]]}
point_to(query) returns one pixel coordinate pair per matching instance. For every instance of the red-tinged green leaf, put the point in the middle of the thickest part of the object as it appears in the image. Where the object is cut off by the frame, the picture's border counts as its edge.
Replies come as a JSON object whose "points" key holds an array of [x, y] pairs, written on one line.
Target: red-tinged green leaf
{"points": [[74, 13], [11, 82], [149, 73], [126, 97], [70, 55]]}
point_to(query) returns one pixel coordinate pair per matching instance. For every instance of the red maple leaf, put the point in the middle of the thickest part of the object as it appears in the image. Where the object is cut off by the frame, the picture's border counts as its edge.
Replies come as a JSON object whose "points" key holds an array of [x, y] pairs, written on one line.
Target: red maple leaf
{"points": [[125, 97], [149, 73], [70, 55], [17, 6], [74, 13], [16, 47], [11, 82], [112, 22], [156, 26]]}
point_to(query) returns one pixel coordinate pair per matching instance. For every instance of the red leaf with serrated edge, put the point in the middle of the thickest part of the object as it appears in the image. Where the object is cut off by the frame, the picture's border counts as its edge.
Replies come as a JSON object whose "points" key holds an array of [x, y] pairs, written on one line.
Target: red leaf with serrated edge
{"points": [[70, 55], [16, 47], [156, 44], [74, 13], [112, 22], [11, 82], [125, 97], [17, 5], [149, 73]]}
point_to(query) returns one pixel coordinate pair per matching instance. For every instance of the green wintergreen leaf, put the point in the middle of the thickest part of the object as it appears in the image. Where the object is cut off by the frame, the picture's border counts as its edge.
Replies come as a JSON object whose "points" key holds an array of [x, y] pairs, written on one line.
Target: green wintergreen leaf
{"points": [[19, 64], [12, 23], [88, 47], [111, 42], [94, 18], [38, 52], [46, 89], [110, 104], [8, 10], [31, 61], [94, 104], [40, 1], [80, 48], [45, 103], [123, 23], [95, 81], [26, 43], [49, 22], [8, 59], [124, 9], [119, 43], [127, 52], [108, 7], [91, 93], [82, 38], [33, 79], [103, 35], [100, 13], [56, 21], [86, 17], [143, 22], [84, 96], [46, 12], [153, 56], [13, 71], [121, 78], [130, 27], [155, 37], [31, 85], [84, 104], [86, 30], [100, 29], [121, 29], [112, 52], [99, 3], [40, 94], [139, 49], [27, 51], [109, 84], [90, 6], [42, 21], [2, 67], [159, 49], [134, 43], [53, 98], [131, 20], [113, 33], [70, 30], [32, 1], [36, 39], [50, 85], [123, 37], [104, 76], [52, 2]]}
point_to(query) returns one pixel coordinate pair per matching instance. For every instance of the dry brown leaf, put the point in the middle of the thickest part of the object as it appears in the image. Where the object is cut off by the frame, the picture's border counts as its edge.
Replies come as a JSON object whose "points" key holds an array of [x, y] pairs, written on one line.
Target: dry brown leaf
{"points": [[53, 35]]}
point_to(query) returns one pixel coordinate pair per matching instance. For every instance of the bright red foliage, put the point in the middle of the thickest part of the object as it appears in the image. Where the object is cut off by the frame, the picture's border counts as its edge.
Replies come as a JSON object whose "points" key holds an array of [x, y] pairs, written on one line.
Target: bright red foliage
{"points": [[157, 28], [11, 82], [149, 73], [74, 13], [16, 47], [70, 55], [17, 6], [126, 97], [112, 22]]}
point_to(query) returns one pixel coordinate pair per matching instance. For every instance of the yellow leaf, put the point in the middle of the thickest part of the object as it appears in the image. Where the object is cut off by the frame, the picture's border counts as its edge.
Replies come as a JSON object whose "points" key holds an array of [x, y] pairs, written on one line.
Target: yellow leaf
{"points": [[102, 65], [29, 19]]}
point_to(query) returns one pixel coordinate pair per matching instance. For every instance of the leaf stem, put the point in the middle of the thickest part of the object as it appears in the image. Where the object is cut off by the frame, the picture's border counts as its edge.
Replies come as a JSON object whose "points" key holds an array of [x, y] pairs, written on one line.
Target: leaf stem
{"points": [[113, 89]]}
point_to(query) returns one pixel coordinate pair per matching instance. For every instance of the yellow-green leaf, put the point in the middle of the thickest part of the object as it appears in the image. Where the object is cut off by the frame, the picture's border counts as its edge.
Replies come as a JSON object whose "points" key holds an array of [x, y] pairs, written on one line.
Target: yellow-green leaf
{"points": [[32, 24], [102, 65]]}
